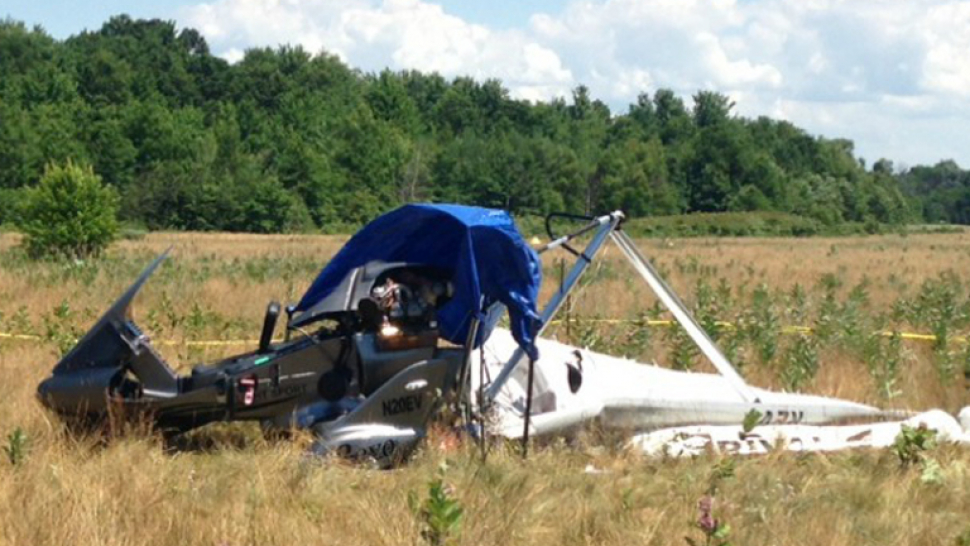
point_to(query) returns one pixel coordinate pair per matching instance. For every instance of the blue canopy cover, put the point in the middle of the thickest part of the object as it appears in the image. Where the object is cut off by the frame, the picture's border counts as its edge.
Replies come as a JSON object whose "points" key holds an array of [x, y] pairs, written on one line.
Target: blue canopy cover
{"points": [[490, 260]]}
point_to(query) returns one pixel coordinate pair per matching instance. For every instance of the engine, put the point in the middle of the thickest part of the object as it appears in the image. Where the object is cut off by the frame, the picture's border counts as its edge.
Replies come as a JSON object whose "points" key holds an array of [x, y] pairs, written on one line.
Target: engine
{"points": [[401, 307]]}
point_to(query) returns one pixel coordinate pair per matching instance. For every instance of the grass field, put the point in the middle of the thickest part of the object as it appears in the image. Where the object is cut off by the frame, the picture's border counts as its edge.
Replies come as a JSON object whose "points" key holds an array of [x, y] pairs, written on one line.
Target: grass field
{"points": [[231, 487]]}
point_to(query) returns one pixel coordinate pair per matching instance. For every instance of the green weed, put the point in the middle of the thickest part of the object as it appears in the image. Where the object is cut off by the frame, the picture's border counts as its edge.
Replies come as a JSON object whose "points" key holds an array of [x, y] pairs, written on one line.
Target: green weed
{"points": [[762, 325], [912, 443], [440, 514], [17, 447], [59, 328], [801, 363]]}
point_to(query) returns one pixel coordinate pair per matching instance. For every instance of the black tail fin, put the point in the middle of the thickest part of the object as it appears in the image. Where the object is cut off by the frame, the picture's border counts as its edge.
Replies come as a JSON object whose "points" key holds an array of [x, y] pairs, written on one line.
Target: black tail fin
{"points": [[80, 381]]}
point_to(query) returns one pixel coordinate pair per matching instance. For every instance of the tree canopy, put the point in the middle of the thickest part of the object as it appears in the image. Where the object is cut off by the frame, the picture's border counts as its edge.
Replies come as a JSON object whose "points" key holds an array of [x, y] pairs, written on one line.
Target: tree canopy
{"points": [[287, 139]]}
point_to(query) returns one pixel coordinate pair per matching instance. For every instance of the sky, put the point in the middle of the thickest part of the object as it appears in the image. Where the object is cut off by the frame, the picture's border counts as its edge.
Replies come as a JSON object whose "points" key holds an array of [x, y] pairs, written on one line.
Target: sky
{"points": [[891, 75]]}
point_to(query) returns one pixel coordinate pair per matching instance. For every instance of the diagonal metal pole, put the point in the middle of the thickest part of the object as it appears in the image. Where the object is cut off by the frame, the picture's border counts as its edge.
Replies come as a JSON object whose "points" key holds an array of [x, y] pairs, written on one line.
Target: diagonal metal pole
{"points": [[606, 225], [682, 315], [464, 376]]}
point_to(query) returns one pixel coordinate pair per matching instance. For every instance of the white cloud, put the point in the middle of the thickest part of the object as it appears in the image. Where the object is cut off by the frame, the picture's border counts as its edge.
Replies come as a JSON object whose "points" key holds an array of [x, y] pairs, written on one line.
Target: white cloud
{"points": [[401, 34], [893, 75], [946, 31]]}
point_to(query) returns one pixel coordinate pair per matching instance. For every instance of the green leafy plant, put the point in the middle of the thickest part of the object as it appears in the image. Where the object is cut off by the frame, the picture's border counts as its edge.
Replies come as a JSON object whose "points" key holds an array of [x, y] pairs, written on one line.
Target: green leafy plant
{"points": [[70, 213], [440, 513], [722, 470], [825, 325], [19, 321], [883, 359], [941, 307], [945, 363], [751, 420], [17, 446], [683, 350], [853, 318], [912, 443], [801, 363], [58, 328], [715, 532], [707, 308], [761, 324]]}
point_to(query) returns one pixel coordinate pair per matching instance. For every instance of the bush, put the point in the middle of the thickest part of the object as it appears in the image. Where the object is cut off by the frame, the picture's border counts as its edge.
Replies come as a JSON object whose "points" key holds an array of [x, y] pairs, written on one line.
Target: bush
{"points": [[729, 224], [69, 214]]}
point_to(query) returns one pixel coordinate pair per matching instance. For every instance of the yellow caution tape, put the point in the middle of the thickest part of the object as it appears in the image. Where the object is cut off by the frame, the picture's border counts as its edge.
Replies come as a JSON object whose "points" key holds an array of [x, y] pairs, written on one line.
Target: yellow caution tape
{"points": [[919, 337], [804, 330], [209, 343], [189, 343], [22, 337]]}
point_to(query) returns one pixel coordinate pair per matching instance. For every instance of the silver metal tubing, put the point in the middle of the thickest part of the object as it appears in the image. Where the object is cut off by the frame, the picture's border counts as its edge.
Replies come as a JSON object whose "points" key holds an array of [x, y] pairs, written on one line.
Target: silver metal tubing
{"points": [[600, 221], [683, 316], [608, 224], [464, 388]]}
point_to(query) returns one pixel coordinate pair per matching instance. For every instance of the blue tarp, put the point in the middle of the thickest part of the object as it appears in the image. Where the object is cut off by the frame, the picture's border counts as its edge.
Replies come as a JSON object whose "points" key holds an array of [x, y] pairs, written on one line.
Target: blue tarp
{"points": [[490, 260]]}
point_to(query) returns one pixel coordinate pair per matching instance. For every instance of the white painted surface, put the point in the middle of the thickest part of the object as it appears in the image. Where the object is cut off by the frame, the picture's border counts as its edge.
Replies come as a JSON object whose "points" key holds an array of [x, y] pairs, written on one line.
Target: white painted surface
{"points": [[691, 441], [622, 393]]}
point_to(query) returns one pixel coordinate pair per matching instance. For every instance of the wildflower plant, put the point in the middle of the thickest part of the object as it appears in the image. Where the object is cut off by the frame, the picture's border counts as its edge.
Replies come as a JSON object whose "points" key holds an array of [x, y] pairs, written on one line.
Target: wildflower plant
{"points": [[714, 532]]}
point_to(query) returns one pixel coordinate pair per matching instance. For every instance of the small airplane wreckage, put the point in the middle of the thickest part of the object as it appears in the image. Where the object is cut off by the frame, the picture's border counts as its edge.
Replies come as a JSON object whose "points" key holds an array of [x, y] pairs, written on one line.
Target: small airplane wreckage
{"points": [[393, 326]]}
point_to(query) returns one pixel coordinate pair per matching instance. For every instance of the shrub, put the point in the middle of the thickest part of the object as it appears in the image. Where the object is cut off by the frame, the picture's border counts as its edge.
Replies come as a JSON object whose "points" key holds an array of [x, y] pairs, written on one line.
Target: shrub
{"points": [[69, 214]]}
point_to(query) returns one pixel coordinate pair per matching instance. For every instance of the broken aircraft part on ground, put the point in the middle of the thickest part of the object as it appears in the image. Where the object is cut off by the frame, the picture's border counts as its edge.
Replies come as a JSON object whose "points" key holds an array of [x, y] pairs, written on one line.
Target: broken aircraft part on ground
{"points": [[732, 439], [362, 366]]}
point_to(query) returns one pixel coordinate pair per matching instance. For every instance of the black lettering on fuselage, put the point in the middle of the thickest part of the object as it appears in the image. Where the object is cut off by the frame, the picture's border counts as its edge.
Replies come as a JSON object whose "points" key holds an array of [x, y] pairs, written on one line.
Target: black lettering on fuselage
{"points": [[284, 391], [404, 404], [379, 450], [781, 417]]}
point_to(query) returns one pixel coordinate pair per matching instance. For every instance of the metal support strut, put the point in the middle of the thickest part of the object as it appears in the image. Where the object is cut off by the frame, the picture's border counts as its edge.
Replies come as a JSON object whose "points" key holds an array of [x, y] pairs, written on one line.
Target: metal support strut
{"points": [[608, 227], [606, 224], [682, 315]]}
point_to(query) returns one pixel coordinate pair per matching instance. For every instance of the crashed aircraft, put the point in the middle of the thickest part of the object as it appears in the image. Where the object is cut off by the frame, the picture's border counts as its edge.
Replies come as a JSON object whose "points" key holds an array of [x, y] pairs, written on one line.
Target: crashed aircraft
{"points": [[392, 327]]}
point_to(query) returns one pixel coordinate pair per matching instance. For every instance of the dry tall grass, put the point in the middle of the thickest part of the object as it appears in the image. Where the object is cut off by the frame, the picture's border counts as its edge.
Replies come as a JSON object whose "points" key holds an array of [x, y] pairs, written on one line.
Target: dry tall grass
{"points": [[231, 487]]}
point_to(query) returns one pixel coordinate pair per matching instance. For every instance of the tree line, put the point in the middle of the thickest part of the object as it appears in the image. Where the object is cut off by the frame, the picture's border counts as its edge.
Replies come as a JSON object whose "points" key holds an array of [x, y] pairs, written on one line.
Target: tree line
{"points": [[286, 140]]}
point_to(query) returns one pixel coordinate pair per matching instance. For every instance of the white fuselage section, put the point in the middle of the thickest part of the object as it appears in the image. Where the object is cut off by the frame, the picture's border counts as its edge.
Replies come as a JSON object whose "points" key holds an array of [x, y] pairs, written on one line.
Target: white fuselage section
{"points": [[621, 393]]}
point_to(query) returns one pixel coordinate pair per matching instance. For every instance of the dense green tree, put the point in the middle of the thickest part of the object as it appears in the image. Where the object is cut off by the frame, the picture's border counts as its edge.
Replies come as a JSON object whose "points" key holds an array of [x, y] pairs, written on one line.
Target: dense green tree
{"points": [[711, 108], [675, 123], [456, 112], [112, 153], [289, 139], [388, 98], [635, 180]]}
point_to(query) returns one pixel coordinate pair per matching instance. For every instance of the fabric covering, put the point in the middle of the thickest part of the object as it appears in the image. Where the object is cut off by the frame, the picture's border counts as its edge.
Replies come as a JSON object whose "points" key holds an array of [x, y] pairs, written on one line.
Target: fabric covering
{"points": [[490, 260]]}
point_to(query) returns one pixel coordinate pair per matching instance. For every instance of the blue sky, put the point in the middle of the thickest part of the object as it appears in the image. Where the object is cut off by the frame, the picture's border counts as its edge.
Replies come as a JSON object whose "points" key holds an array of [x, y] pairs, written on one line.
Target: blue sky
{"points": [[62, 18], [503, 14], [892, 75]]}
